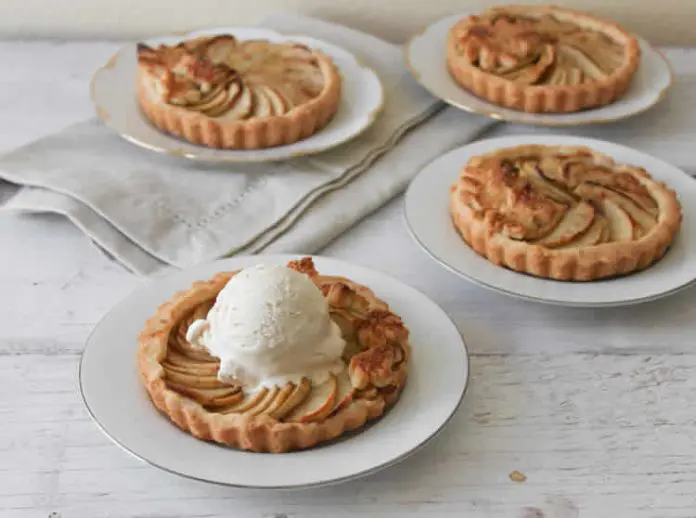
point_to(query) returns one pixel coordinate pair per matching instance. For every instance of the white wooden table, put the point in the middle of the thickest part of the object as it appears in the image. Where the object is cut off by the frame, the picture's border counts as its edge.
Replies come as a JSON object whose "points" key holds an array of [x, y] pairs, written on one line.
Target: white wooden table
{"points": [[595, 407]]}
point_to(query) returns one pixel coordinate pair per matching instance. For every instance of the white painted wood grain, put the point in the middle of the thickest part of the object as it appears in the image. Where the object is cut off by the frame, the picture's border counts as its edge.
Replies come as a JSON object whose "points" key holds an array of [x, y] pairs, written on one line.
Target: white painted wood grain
{"points": [[595, 407]]}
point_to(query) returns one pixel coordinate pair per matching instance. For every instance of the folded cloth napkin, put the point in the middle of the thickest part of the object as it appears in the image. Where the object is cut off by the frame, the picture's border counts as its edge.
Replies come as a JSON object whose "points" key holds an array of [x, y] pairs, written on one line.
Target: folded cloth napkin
{"points": [[147, 211]]}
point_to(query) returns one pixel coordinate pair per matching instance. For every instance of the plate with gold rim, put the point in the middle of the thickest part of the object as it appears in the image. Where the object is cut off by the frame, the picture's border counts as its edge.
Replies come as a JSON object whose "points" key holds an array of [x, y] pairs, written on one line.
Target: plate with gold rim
{"points": [[114, 98], [425, 57], [427, 215], [428, 402]]}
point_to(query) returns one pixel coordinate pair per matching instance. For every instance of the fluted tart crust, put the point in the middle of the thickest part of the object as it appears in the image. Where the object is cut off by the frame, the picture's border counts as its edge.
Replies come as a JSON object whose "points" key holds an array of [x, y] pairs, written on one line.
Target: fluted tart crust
{"points": [[542, 58], [182, 381], [222, 92], [565, 213]]}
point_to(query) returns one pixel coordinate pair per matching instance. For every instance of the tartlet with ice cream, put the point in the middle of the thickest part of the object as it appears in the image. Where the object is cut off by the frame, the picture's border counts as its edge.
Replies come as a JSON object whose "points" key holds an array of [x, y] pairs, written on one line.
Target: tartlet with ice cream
{"points": [[274, 358]]}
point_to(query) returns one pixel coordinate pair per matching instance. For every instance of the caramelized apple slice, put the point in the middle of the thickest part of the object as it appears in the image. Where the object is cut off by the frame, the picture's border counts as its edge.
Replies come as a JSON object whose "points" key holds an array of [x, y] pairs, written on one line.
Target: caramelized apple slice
{"points": [[278, 104], [249, 402], [210, 397], [319, 404], [243, 106], [346, 392], [532, 73], [228, 98], [531, 172], [262, 104], [264, 403], [594, 235], [637, 214], [192, 380], [583, 62], [620, 224], [576, 221], [194, 368], [280, 409]]}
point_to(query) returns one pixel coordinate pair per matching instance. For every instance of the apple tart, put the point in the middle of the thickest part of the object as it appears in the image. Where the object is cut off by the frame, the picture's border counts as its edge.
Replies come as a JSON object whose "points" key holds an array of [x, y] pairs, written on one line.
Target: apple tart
{"points": [[565, 213], [223, 92], [183, 382], [542, 58]]}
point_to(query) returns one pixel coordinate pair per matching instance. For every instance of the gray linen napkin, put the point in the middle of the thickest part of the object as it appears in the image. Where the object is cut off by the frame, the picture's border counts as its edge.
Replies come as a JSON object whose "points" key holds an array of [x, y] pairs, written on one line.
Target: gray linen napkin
{"points": [[146, 210]]}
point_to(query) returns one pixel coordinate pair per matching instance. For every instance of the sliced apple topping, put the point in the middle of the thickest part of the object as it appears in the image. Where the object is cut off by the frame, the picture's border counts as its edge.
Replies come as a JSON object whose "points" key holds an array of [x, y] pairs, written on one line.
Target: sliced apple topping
{"points": [[575, 223], [533, 72], [248, 403], [636, 213], [243, 107], [531, 172], [582, 61], [262, 105], [261, 404], [280, 408], [596, 234], [217, 398], [319, 404]]}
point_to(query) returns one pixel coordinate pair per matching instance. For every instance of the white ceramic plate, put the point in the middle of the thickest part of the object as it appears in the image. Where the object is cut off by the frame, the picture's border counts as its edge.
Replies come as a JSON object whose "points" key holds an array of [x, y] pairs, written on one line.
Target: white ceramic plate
{"points": [[425, 55], [113, 94], [115, 398], [427, 215]]}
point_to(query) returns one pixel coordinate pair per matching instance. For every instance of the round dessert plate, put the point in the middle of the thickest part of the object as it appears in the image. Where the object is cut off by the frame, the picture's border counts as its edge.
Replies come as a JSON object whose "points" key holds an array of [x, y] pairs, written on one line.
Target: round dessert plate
{"points": [[114, 98], [428, 219], [117, 401], [425, 56]]}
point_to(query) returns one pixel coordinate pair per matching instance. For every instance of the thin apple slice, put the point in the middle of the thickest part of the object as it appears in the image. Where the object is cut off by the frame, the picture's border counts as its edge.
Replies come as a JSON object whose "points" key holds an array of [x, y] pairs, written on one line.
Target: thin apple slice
{"points": [[319, 404], [192, 380], [531, 73], [248, 402], [295, 398], [264, 403], [583, 62], [593, 236], [346, 392], [262, 104], [193, 368], [637, 214], [278, 104], [577, 221], [223, 102], [574, 76], [531, 172], [624, 184], [243, 106], [280, 398], [620, 223], [210, 397]]}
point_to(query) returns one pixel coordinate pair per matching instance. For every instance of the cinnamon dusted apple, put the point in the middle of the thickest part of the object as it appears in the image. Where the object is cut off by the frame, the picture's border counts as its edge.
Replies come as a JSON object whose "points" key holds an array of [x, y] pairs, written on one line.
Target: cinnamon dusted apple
{"points": [[274, 358], [542, 58], [566, 213], [223, 92]]}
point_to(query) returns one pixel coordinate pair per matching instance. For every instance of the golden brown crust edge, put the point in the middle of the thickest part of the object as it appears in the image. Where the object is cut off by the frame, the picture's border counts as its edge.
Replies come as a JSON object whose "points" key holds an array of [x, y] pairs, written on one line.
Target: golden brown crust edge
{"points": [[258, 434], [587, 264], [544, 98], [197, 128]]}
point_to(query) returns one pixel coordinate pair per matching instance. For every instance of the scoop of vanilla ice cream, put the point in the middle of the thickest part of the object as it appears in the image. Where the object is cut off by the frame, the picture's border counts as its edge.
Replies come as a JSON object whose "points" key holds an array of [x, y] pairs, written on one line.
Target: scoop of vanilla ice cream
{"points": [[270, 325]]}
